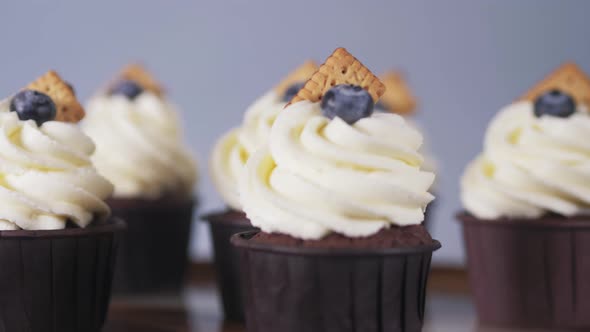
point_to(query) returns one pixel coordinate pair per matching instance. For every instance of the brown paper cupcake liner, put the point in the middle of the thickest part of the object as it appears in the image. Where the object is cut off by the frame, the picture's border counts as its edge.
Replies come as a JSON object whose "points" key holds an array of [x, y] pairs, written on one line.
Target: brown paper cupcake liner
{"points": [[153, 255], [58, 280], [227, 263], [294, 289], [530, 273]]}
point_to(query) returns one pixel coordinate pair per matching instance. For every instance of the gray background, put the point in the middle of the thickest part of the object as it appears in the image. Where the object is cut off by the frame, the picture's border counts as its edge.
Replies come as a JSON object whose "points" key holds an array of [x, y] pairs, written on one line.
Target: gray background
{"points": [[465, 59]]}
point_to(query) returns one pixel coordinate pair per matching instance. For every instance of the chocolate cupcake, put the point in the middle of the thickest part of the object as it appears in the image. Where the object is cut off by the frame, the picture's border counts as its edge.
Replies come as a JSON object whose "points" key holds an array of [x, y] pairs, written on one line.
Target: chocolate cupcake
{"points": [[227, 161], [339, 197], [527, 201], [398, 98], [57, 243], [139, 149]]}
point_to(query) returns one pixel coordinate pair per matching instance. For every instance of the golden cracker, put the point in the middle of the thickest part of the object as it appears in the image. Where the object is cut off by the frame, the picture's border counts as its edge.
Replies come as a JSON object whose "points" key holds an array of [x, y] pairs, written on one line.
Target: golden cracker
{"points": [[301, 74], [568, 78], [138, 74], [67, 106], [397, 97], [340, 68]]}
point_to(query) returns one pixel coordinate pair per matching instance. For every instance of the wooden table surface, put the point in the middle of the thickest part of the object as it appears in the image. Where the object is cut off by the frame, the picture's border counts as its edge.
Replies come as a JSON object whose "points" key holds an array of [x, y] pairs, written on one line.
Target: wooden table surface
{"points": [[198, 310]]}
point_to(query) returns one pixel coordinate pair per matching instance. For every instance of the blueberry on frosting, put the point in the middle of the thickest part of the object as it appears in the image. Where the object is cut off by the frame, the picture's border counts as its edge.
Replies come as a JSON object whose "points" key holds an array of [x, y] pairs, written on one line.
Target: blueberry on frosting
{"points": [[33, 105], [127, 88], [292, 91], [348, 102], [555, 103]]}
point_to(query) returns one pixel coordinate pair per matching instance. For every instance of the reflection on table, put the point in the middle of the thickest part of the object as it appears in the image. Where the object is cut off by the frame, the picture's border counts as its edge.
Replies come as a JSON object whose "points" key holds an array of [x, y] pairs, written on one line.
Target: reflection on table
{"points": [[198, 310]]}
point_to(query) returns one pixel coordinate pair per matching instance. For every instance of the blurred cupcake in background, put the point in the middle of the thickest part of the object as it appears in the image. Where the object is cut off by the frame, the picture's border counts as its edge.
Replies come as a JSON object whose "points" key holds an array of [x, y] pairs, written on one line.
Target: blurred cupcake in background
{"points": [[57, 241], [399, 99], [233, 149], [527, 201], [339, 196], [139, 148], [228, 158]]}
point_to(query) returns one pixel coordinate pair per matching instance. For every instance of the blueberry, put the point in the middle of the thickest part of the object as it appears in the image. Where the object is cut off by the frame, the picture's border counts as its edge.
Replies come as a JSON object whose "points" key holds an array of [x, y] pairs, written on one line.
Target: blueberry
{"points": [[33, 105], [348, 102], [129, 89], [555, 103], [292, 91]]}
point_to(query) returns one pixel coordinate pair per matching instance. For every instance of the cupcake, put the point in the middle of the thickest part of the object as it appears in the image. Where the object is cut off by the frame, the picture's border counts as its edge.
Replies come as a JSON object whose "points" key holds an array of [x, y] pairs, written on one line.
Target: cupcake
{"points": [[139, 149], [227, 161], [339, 197], [57, 242], [526, 222], [398, 98]]}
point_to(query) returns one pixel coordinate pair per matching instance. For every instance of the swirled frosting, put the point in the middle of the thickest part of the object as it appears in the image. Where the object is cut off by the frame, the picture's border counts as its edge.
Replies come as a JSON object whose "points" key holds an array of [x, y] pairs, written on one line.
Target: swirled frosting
{"points": [[319, 176], [233, 150], [46, 175], [430, 161], [530, 166], [139, 146]]}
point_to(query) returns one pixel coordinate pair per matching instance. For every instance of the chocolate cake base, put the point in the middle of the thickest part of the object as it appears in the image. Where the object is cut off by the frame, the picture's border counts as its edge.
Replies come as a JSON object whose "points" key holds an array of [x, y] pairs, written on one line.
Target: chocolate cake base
{"points": [[530, 273], [295, 287], [223, 225], [153, 255], [57, 280], [393, 237]]}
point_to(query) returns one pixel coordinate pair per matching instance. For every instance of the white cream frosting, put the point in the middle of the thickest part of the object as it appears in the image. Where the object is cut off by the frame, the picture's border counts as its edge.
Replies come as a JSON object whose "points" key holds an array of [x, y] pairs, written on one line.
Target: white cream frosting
{"points": [[139, 146], [319, 176], [530, 166], [233, 150], [431, 164], [46, 175]]}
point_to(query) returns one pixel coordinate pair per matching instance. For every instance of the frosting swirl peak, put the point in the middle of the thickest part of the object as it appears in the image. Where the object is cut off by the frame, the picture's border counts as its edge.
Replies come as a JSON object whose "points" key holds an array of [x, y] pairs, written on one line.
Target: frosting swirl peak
{"points": [[46, 175], [319, 176], [530, 165], [139, 146]]}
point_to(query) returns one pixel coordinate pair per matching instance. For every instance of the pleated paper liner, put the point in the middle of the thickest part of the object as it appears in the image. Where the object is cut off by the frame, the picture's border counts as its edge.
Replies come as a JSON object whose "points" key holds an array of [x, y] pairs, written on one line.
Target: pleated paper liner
{"points": [[484, 328], [57, 280], [223, 225], [153, 256], [294, 289], [530, 273]]}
